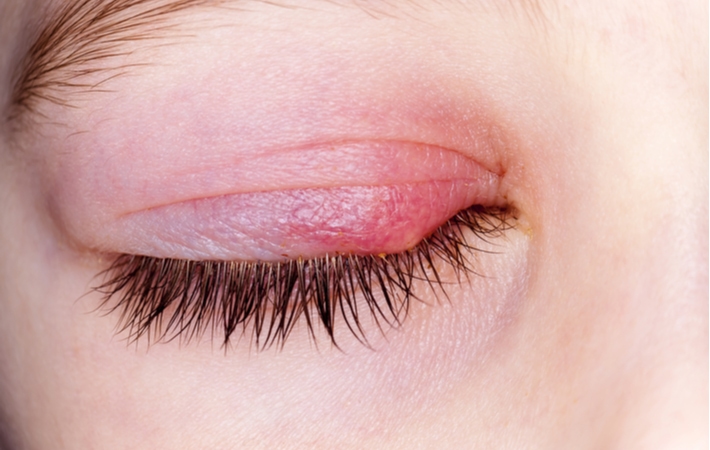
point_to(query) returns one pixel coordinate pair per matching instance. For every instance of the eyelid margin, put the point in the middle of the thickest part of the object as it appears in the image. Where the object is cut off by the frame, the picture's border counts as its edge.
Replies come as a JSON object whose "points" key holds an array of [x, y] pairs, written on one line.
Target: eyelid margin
{"points": [[169, 298]]}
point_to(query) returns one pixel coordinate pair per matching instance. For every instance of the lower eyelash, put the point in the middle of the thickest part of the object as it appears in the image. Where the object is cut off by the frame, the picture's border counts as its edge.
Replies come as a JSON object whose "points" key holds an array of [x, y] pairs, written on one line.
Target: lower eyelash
{"points": [[162, 299]]}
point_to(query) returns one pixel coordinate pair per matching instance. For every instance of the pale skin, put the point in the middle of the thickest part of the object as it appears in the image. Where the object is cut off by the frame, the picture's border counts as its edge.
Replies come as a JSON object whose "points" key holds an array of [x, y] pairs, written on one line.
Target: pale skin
{"points": [[588, 330]]}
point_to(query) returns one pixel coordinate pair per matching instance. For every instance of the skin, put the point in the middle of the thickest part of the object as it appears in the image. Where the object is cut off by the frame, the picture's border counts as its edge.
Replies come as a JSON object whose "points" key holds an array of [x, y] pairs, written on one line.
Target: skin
{"points": [[589, 330]]}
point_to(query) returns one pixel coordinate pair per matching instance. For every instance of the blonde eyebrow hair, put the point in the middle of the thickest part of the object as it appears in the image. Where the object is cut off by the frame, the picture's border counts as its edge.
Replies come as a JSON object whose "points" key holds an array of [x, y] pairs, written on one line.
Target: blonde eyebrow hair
{"points": [[79, 35]]}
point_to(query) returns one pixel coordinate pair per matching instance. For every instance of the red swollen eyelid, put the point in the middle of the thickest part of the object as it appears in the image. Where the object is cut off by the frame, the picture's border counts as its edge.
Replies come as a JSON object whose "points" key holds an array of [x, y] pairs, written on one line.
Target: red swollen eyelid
{"points": [[306, 223], [341, 197]]}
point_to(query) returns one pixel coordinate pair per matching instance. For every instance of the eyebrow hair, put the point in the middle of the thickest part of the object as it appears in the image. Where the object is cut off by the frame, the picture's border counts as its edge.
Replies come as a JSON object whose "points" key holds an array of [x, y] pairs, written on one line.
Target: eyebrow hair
{"points": [[79, 35]]}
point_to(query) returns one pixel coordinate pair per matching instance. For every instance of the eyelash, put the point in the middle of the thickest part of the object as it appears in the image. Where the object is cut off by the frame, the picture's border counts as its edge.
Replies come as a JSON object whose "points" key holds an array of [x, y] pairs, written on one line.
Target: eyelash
{"points": [[162, 299]]}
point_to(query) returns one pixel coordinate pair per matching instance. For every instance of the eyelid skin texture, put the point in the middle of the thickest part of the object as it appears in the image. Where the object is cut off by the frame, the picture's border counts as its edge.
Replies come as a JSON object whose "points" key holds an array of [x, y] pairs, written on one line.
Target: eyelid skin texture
{"points": [[251, 155], [224, 131], [317, 210], [305, 223]]}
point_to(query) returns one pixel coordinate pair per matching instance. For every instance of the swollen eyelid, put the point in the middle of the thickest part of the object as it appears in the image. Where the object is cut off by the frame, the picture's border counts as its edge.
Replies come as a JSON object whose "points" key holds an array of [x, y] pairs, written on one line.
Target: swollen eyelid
{"points": [[306, 223], [259, 241], [254, 187], [252, 202], [385, 198], [260, 261]]}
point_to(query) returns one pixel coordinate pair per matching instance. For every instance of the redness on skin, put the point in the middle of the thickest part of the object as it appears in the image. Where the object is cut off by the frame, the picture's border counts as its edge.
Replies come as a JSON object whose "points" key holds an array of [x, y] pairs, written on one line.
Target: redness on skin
{"points": [[250, 154], [395, 206], [281, 225], [186, 199], [255, 156]]}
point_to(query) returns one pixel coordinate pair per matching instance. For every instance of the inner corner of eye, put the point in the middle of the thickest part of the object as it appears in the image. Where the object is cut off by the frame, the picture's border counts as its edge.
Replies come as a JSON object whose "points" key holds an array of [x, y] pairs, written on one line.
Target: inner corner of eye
{"points": [[298, 223]]}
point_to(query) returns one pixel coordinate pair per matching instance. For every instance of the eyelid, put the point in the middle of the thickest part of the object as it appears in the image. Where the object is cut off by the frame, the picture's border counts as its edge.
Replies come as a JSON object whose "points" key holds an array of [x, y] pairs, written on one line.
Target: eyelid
{"points": [[144, 146], [333, 164], [221, 213], [278, 225], [165, 299]]}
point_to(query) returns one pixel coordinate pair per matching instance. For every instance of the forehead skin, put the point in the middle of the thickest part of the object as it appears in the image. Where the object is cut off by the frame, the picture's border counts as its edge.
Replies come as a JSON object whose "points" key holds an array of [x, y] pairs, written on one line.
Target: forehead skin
{"points": [[606, 348]]}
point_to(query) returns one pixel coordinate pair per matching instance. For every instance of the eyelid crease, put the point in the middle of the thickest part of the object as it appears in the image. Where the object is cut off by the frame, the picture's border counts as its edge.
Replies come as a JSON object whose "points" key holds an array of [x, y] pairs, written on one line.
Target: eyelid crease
{"points": [[167, 299], [352, 165]]}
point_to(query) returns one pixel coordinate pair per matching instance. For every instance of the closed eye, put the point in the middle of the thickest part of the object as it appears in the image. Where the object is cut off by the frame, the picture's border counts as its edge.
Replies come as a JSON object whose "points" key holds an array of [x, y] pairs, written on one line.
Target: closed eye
{"points": [[156, 170], [162, 299]]}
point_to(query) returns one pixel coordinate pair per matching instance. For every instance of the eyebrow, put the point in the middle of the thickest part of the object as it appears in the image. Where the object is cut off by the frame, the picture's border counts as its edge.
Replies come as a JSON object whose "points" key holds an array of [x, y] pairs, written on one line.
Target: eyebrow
{"points": [[78, 36]]}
